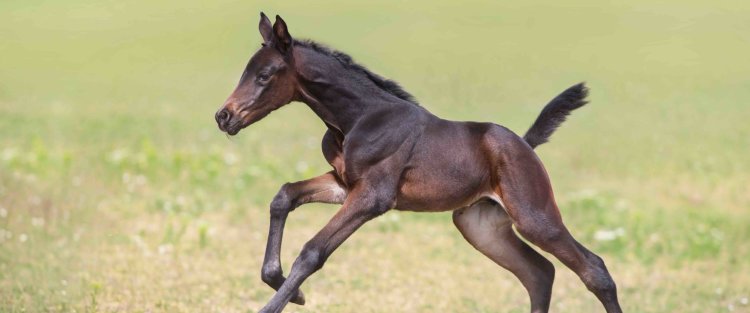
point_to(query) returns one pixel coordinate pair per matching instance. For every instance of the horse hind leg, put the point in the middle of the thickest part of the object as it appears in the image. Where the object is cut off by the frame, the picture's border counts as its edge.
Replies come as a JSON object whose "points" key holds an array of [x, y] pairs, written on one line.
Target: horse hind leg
{"points": [[487, 227], [552, 236], [526, 194]]}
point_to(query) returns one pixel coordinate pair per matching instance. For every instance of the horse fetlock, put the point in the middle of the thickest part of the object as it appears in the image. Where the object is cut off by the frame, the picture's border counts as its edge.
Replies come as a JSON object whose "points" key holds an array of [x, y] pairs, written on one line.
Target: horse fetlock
{"points": [[298, 298], [271, 273]]}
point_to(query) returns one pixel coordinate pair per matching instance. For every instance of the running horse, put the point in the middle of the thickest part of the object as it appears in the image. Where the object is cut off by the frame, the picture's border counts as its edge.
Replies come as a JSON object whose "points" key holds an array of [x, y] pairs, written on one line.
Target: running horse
{"points": [[388, 152]]}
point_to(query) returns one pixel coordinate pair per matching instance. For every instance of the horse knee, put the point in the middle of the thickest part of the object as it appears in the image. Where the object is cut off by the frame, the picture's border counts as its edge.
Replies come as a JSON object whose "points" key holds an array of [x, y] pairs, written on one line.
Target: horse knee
{"points": [[282, 202], [311, 258]]}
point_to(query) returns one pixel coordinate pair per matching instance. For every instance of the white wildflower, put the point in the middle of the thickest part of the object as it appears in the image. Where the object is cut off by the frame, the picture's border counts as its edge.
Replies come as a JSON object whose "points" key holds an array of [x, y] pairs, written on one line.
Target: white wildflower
{"points": [[302, 166], [395, 217], [35, 200], [141, 245], [164, 249], [743, 300], [23, 237], [609, 234], [9, 154], [181, 200], [230, 158], [586, 193], [254, 171], [717, 234], [118, 156], [30, 178], [3, 212], [77, 235], [140, 180], [37, 221], [167, 206], [621, 205], [133, 181]]}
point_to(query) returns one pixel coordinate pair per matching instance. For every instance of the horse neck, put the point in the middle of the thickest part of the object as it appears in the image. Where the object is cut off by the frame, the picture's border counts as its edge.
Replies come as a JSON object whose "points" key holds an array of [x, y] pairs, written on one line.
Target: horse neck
{"points": [[338, 95]]}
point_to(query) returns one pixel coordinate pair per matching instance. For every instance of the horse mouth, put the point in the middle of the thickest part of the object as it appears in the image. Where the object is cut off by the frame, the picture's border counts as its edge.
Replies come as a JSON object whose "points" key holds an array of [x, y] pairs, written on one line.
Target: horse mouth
{"points": [[234, 124], [244, 119], [234, 128], [232, 132]]}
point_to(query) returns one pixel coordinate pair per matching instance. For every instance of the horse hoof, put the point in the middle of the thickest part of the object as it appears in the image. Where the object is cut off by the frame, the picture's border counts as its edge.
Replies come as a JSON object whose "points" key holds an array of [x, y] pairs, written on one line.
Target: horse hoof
{"points": [[299, 298]]}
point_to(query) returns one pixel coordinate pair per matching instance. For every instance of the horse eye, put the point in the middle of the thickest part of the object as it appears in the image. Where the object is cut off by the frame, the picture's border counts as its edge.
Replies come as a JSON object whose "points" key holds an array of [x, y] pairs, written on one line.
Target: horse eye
{"points": [[264, 77]]}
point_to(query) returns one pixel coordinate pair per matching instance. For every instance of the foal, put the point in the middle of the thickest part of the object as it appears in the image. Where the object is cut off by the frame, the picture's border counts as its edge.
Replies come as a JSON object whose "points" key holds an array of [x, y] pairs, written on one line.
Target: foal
{"points": [[387, 152]]}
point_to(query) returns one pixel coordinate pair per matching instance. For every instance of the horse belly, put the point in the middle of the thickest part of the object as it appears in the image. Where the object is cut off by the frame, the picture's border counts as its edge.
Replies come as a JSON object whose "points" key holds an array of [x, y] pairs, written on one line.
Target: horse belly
{"points": [[443, 185]]}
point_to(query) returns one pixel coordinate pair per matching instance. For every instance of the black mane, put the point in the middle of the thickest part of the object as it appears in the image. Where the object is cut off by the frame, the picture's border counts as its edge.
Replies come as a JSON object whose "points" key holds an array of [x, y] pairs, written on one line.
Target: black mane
{"points": [[388, 85]]}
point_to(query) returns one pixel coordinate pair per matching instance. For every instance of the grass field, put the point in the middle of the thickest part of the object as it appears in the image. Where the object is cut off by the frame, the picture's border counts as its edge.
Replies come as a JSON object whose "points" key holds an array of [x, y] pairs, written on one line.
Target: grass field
{"points": [[119, 194]]}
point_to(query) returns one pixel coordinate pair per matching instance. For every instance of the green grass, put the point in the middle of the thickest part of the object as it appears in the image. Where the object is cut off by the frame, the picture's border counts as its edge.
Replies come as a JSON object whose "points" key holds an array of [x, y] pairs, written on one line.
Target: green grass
{"points": [[119, 194]]}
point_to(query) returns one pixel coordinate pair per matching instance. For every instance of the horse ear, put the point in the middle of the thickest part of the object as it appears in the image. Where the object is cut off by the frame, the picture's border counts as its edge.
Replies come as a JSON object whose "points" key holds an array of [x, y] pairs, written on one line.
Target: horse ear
{"points": [[281, 35], [265, 28]]}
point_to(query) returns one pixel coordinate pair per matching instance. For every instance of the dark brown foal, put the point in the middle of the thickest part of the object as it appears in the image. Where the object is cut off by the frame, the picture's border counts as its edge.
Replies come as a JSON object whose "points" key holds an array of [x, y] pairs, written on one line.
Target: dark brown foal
{"points": [[387, 152]]}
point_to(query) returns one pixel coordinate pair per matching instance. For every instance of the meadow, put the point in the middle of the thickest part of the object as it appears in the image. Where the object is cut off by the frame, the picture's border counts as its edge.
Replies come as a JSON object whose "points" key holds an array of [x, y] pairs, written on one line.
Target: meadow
{"points": [[119, 194]]}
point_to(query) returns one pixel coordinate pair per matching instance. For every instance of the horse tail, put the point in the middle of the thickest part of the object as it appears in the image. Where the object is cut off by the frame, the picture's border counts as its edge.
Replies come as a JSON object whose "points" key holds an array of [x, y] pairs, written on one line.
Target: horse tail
{"points": [[554, 114]]}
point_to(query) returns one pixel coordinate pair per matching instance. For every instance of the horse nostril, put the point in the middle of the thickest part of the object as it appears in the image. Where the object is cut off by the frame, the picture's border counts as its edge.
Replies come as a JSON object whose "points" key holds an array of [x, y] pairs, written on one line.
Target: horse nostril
{"points": [[222, 116]]}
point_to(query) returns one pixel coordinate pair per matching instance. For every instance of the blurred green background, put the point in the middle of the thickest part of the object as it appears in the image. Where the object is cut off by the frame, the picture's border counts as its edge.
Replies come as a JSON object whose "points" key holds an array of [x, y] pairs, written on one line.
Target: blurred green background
{"points": [[119, 194]]}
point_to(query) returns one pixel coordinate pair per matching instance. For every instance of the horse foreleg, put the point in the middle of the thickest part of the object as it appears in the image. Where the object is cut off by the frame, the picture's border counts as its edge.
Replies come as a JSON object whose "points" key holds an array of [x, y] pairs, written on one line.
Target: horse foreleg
{"points": [[325, 188], [362, 205]]}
